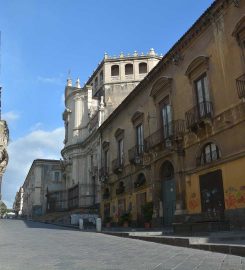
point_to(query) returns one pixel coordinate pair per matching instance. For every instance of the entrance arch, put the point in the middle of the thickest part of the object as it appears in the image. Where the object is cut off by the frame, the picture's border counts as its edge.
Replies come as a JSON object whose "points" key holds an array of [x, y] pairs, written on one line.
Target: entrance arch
{"points": [[168, 192]]}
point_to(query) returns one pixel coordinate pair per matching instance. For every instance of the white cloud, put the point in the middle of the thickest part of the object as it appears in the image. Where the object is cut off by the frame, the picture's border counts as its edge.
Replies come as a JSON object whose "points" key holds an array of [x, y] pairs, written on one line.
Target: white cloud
{"points": [[10, 116], [50, 80], [22, 152], [37, 126]]}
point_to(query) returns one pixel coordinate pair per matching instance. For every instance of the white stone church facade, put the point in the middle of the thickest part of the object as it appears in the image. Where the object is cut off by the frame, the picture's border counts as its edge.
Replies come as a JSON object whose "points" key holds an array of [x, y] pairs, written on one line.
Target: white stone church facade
{"points": [[85, 110]]}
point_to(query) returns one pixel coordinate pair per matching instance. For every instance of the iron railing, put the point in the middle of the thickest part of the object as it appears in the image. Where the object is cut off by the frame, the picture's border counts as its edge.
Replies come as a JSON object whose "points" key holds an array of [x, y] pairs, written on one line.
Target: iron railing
{"points": [[200, 112], [135, 154], [73, 197], [174, 130], [240, 85], [104, 173]]}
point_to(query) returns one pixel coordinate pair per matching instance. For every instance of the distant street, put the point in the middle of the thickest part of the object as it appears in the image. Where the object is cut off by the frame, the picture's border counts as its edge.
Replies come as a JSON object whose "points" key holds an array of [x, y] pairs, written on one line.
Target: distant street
{"points": [[30, 246]]}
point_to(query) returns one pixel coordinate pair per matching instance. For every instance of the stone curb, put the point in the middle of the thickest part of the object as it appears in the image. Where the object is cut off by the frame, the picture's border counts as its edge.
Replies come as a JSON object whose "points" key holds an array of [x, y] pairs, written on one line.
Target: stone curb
{"points": [[238, 250]]}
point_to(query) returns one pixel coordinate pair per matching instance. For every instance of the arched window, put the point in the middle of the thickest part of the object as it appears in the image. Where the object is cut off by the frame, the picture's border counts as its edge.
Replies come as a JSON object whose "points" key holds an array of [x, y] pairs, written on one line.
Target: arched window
{"points": [[167, 171], [128, 69], [210, 152], [115, 70], [142, 68]]}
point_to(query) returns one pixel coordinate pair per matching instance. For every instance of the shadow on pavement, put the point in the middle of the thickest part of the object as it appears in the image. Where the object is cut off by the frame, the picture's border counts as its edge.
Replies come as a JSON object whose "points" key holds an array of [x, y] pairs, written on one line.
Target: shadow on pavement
{"points": [[42, 225]]}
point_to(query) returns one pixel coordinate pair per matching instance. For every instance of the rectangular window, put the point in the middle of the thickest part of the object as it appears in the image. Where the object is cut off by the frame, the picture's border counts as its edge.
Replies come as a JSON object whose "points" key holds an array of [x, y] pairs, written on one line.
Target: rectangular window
{"points": [[139, 139], [120, 151], [166, 116], [56, 176], [203, 97]]}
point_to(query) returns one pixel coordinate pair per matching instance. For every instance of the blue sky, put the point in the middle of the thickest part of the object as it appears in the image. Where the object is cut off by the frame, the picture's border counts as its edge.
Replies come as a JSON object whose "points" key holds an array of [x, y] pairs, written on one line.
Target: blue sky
{"points": [[42, 40]]}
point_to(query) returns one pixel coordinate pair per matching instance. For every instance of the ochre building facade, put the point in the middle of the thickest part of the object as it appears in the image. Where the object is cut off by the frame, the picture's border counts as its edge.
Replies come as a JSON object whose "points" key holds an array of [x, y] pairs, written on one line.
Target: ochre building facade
{"points": [[178, 139]]}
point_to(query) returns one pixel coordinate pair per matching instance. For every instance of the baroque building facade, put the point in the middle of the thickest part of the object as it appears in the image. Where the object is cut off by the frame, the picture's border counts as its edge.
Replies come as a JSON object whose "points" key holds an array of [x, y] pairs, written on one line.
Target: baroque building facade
{"points": [[177, 140], [4, 138], [86, 109], [42, 189]]}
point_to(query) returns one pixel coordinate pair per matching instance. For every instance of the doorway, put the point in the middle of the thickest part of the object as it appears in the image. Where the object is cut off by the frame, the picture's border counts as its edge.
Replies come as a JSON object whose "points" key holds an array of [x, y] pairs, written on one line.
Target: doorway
{"points": [[212, 193], [168, 193]]}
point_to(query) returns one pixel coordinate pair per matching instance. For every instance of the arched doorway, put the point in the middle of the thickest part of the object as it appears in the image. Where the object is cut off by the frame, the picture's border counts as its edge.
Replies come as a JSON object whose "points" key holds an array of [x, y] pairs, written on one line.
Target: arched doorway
{"points": [[168, 192]]}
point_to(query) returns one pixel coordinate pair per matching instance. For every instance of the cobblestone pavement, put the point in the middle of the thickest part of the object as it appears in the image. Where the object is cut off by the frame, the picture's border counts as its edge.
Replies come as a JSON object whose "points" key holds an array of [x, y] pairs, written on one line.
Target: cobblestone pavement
{"points": [[31, 245]]}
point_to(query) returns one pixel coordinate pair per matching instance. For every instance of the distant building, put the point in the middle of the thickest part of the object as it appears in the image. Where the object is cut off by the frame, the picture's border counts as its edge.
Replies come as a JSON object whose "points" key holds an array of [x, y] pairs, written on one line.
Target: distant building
{"points": [[40, 188], [4, 138], [18, 202], [86, 109]]}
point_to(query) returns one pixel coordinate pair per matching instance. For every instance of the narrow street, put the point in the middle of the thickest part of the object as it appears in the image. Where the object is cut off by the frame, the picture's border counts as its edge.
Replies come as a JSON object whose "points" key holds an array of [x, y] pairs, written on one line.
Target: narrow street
{"points": [[29, 245]]}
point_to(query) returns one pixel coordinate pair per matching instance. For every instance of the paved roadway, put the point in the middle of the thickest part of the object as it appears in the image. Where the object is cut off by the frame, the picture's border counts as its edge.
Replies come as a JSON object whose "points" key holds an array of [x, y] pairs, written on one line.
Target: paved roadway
{"points": [[30, 246]]}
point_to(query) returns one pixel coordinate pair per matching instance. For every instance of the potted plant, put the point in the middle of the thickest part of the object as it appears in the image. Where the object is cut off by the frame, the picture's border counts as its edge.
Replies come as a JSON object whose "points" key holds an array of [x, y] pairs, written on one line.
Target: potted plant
{"points": [[147, 212], [107, 221], [125, 219]]}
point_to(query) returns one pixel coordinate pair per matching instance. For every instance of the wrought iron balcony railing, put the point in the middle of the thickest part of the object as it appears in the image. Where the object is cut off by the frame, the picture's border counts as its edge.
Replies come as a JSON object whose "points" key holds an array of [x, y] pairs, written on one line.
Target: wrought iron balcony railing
{"points": [[104, 173], [198, 114], [154, 139], [117, 165], [135, 154], [172, 131], [240, 85]]}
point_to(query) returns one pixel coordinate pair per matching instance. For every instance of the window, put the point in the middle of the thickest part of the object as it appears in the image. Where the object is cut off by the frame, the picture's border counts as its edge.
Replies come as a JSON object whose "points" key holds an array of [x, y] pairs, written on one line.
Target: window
{"points": [[56, 176], [166, 116], [142, 68], [120, 151], [139, 139], [115, 70], [239, 34], [101, 76], [203, 97], [210, 153], [128, 69], [96, 82]]}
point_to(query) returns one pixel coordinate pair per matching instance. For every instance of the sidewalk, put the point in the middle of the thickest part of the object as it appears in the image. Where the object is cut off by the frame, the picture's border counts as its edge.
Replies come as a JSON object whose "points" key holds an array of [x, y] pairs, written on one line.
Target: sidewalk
{"points": [[229, 242], [223, 242]]}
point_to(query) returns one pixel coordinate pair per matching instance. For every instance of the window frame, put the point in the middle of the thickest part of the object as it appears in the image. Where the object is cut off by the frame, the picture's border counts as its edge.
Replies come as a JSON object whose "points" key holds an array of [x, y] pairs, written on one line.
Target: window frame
{"points": [[125, 69], [207, 153], [112, 72]]}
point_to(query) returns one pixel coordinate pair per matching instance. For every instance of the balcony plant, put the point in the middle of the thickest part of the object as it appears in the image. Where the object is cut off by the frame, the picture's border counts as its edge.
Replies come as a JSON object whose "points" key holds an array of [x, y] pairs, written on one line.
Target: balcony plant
{"points": [[125, 219], [147, 212]]}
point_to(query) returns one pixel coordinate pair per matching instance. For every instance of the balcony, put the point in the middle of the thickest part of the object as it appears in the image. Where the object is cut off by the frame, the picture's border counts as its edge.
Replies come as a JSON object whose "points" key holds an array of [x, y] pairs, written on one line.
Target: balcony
{"points": [[154, 139], [135, 154], [240, 85], [120, 189], [106, 194], [117, 165], [103, 173], [196, 116], [174, 131]]}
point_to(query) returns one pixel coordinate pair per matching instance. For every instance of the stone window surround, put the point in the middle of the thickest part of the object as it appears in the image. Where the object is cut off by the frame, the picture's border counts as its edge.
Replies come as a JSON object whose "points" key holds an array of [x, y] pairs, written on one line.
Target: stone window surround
{"points": [[196, 69]]}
